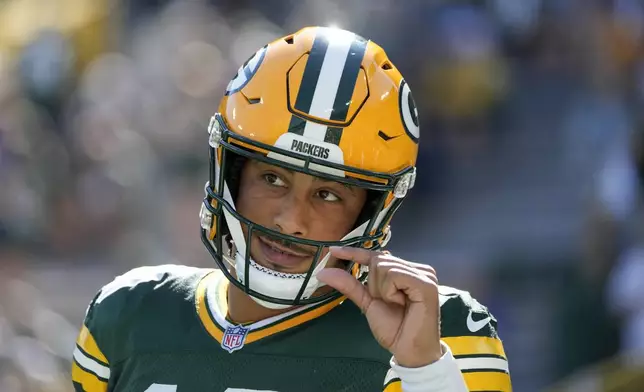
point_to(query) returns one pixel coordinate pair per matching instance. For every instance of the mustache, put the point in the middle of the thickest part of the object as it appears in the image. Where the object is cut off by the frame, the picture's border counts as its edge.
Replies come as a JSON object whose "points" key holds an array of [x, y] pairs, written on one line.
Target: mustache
{"points": [[303, 249]]}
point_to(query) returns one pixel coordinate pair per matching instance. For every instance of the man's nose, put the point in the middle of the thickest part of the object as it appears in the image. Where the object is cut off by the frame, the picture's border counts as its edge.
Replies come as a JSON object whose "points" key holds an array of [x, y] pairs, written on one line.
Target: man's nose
{"points": [[292, 218]]}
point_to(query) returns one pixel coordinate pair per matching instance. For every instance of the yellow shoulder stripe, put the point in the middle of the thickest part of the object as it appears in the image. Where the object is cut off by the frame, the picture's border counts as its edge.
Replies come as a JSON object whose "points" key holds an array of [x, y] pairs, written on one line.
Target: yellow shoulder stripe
{"points": [[86, 342], [393, 386], [88, 381], [473, 345], [488, 381]]}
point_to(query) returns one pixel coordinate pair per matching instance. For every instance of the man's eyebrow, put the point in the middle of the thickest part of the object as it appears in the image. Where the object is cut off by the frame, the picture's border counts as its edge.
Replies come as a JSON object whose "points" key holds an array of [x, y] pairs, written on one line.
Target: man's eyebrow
{"points": [[318, 179], [349, 187]]}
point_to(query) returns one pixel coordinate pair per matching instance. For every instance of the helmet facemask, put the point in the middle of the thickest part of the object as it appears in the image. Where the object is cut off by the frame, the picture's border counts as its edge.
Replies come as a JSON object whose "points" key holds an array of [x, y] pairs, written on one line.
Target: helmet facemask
{"points": [[221, 224]]}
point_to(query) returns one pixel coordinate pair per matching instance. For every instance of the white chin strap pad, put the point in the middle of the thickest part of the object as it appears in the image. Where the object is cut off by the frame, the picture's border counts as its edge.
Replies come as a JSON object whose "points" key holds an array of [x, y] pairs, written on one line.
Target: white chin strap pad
{"points": [[276, 284]]}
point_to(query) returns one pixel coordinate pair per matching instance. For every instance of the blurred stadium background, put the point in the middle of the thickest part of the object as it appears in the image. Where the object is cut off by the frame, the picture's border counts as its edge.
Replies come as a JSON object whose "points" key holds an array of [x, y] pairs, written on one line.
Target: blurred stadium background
{"points": [[529, 193]]}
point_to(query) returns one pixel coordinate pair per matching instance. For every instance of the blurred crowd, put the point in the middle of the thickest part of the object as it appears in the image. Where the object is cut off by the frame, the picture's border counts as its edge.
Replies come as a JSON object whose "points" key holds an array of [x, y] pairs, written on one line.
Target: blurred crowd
{"points": [[530, 172]]}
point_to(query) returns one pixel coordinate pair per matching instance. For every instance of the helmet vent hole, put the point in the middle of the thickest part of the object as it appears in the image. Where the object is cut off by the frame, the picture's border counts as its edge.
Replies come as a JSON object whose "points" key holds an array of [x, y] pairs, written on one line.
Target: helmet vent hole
{"points": [[386, 66], [289, 40]]}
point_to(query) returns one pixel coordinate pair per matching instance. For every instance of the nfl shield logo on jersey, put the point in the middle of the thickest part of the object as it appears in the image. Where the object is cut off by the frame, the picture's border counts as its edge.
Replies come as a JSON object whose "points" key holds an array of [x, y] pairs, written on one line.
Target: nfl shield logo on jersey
{"points": [[234, 338]]}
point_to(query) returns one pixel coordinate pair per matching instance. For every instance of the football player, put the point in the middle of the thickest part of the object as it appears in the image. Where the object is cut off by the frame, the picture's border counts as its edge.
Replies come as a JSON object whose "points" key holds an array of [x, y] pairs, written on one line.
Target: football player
{"points": [[312, 151]]}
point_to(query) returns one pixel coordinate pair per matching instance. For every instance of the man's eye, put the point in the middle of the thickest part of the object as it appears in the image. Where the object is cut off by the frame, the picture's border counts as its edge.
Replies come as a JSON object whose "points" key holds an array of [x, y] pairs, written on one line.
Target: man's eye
{"points": [[273, 179], [328, 196]]}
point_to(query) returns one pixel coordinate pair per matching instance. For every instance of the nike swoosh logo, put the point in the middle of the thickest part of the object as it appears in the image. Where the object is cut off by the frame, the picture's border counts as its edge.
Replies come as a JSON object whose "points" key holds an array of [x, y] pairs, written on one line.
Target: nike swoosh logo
{"points": [[386, 137], [475, 326]]}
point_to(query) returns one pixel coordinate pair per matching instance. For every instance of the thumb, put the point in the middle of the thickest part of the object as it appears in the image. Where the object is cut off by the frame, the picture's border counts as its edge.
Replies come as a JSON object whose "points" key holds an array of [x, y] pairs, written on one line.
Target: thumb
{"points": [[346, 284]]}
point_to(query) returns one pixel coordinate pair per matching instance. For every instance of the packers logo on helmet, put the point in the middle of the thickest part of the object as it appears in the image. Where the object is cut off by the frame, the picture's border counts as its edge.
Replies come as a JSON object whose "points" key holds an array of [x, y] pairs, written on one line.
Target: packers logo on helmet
{"points": [[408, 111], [325, 102], [246, 72]]}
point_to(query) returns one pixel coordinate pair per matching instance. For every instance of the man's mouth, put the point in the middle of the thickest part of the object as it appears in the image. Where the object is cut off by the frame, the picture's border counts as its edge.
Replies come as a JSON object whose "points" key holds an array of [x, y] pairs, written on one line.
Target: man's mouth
{"points": [[290, 250], [278, 254]]}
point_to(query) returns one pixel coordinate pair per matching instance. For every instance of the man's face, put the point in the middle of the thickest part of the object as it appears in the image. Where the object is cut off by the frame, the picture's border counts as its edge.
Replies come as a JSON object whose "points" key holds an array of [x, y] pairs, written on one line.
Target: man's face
{"points": [[295, 204]]}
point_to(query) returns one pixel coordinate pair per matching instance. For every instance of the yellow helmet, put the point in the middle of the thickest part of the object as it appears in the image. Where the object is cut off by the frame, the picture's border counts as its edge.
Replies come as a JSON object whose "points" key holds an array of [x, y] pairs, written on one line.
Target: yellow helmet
{"points": [[325, 102]]}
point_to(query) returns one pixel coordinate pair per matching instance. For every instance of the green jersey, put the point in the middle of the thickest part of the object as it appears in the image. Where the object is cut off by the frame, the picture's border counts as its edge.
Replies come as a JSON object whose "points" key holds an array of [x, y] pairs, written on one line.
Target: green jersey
{"points": [[164, 329]]}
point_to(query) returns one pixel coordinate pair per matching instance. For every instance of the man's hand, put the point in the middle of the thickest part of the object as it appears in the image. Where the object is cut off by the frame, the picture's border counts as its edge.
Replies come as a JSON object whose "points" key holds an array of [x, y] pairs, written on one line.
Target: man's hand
{"points": [[400, 302]]}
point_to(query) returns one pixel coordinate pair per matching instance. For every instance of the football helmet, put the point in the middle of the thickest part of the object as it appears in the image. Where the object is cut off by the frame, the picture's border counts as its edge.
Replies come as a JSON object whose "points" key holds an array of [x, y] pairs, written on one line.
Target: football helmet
{"points": [[325, 102]]}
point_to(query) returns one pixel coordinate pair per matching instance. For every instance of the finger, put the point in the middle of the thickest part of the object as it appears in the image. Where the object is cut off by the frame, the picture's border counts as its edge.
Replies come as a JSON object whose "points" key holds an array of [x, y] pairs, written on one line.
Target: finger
{"points": [[382, 267], [422, 267], [425, 268], [416, 287], [345, 283], [388, 291], [366, 257], [372, 282], [358, 255], [383, 287], [378, 271], [386, 255]]}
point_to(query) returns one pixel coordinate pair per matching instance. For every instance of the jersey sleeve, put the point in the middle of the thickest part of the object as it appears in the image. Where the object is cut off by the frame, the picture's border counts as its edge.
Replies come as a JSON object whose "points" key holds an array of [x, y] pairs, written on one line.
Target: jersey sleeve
{"points": [[90, 366], [104, 337], [470, 331]]}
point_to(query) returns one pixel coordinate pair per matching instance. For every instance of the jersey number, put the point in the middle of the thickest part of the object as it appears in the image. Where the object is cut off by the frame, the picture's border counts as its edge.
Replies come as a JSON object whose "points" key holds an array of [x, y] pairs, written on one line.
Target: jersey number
{"points": [[161, 388], [173, 388]]}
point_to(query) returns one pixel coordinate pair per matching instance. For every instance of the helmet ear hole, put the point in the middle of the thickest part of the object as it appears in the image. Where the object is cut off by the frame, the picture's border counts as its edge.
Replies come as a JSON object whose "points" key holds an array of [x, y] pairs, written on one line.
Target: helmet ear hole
{"points": [[369, 210], [234, 165], [232, 171]]}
